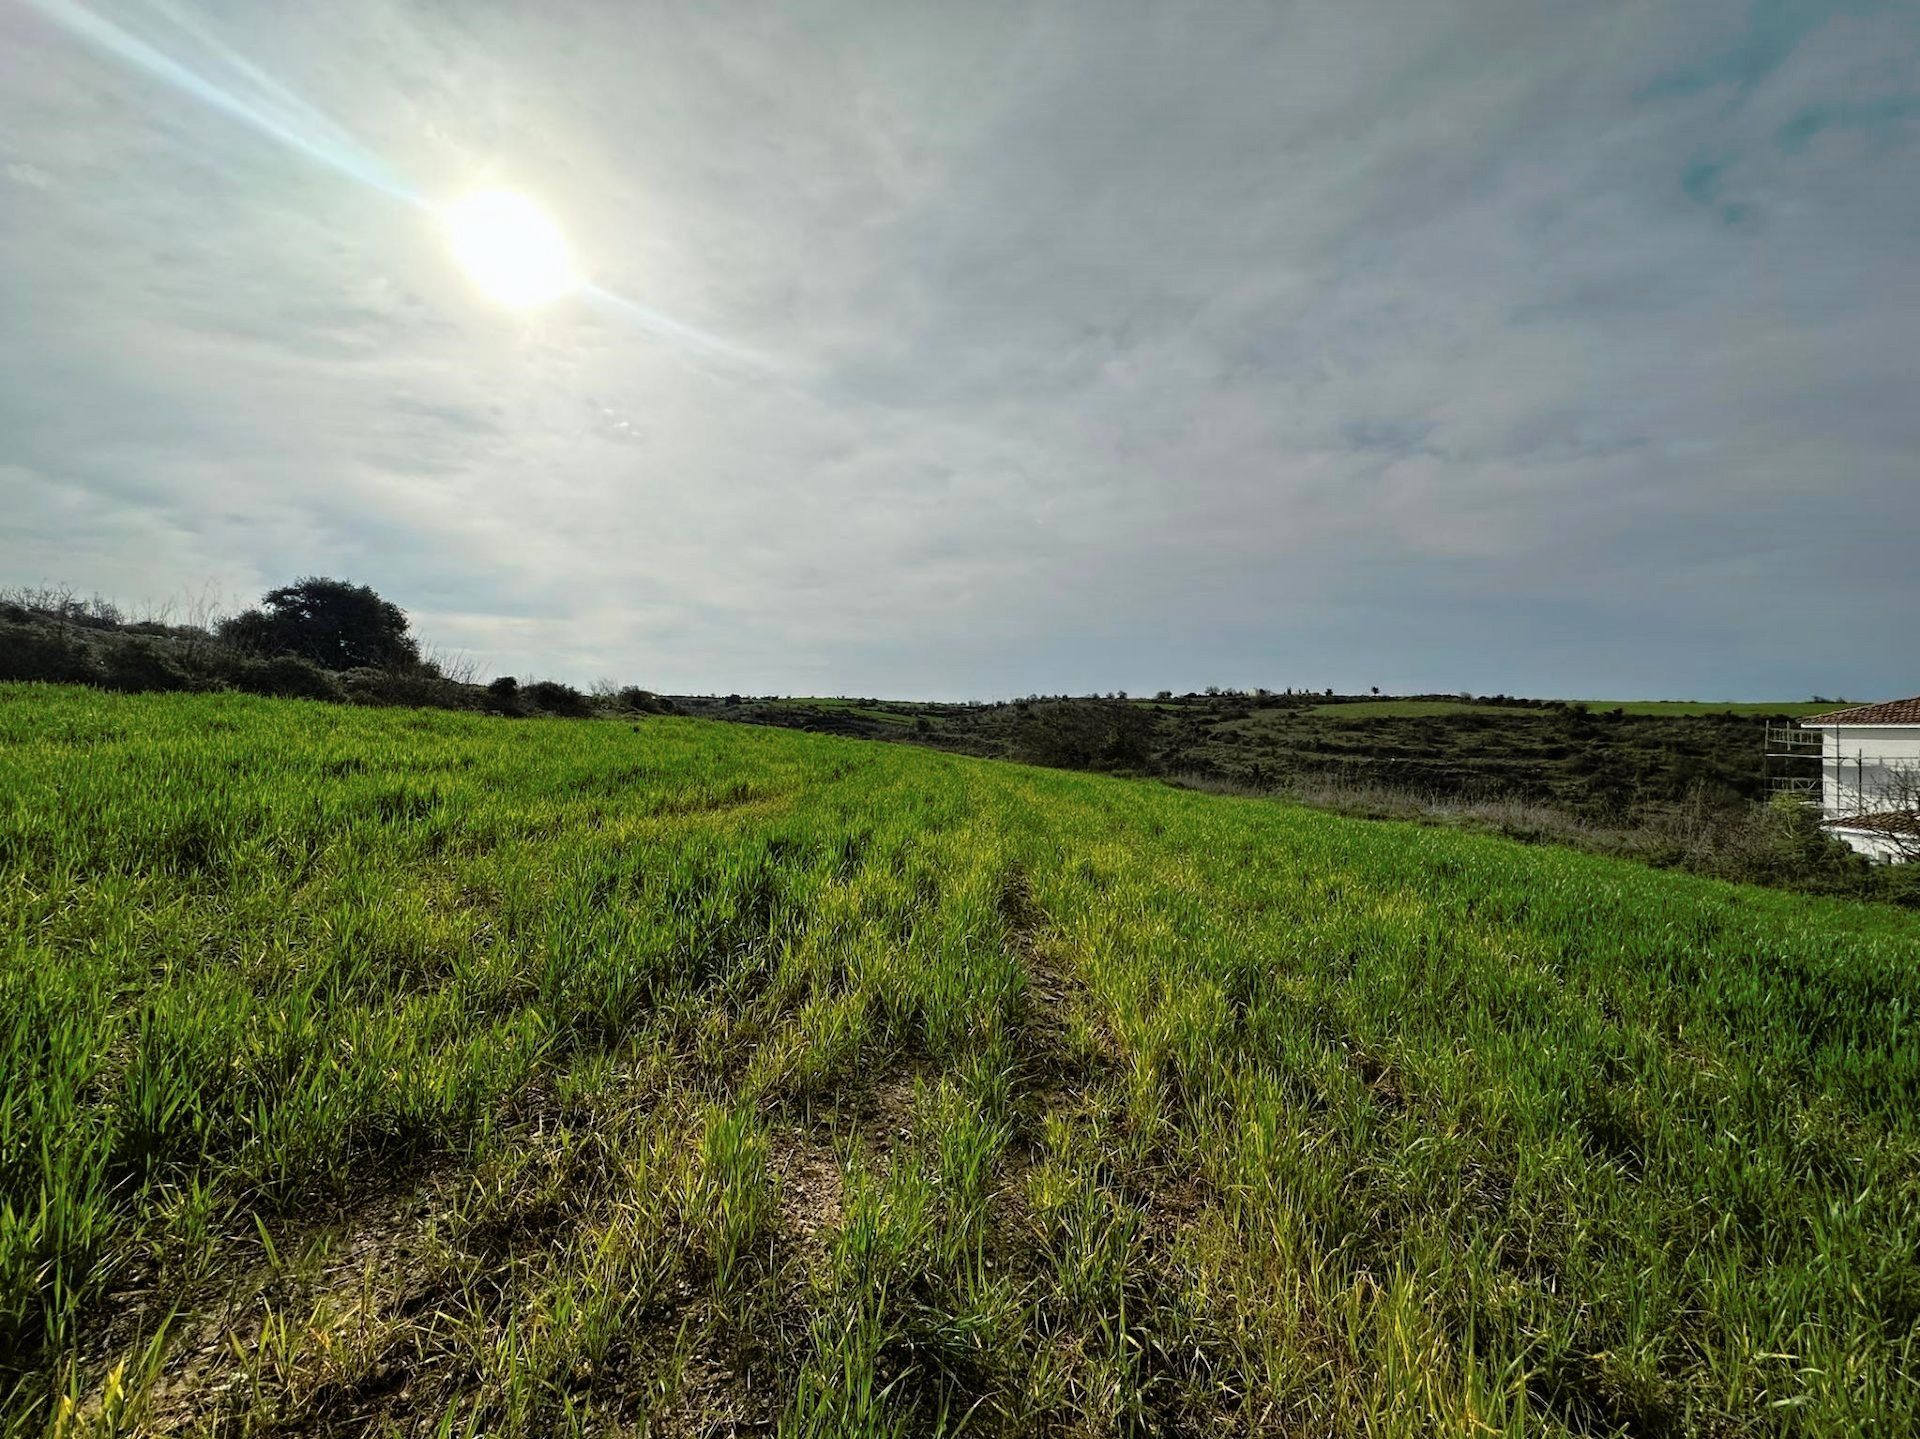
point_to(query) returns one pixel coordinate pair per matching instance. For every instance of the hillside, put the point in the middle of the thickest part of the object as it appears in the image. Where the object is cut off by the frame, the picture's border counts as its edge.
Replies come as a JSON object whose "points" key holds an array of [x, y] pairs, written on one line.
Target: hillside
{"points": [[1601, 759], [421, 1072]]}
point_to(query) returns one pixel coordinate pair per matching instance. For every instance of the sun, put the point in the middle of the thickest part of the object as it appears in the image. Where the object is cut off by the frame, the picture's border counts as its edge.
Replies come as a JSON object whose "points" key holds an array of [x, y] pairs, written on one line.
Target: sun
{"points": [[510, 248]]}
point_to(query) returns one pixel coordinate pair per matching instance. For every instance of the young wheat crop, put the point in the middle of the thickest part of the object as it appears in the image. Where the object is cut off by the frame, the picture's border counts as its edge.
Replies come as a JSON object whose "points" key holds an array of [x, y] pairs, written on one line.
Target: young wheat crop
{"points": [[417, 1073]]}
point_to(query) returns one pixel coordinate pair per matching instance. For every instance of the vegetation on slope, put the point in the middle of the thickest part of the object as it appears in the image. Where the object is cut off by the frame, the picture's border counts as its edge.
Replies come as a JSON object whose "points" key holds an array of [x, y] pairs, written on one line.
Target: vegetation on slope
{"points": [[1676, 790], [318, 638], [424, 1073], [1672, 783], [1602, 763]]}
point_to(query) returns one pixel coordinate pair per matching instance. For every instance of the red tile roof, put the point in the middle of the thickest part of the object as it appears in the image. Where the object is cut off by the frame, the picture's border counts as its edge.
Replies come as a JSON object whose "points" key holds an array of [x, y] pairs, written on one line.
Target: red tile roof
{"points": [[1892, 712], [1893, 822]]}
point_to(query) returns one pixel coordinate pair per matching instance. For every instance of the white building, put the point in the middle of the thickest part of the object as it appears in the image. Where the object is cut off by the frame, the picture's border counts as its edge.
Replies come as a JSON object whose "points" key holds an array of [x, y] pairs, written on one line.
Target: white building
{"points": [[1870, 776]]}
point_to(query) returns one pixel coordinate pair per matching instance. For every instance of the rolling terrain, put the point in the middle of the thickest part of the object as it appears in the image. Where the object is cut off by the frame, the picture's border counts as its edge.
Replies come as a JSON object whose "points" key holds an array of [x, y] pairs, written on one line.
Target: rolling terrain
{"points": [[1603, 759], [395, 1071]]}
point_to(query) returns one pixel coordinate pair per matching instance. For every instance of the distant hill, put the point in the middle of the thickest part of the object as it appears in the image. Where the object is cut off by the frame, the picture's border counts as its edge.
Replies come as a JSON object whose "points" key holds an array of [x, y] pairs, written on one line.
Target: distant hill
{"points": [[1599, 758]]}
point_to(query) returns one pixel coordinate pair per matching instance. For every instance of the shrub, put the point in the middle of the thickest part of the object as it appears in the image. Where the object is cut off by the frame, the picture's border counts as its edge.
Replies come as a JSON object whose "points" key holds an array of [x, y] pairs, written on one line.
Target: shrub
{"points": [[1085, 734], [639, 701], [503, 696], [554, 698], [1802, 844], [405, 686], [43, 652], [143, 665], [284, 677]]}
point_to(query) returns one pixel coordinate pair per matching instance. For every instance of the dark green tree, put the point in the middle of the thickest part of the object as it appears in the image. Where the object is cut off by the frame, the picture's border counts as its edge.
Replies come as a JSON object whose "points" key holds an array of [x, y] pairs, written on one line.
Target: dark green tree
{"points": [[334, 623]]}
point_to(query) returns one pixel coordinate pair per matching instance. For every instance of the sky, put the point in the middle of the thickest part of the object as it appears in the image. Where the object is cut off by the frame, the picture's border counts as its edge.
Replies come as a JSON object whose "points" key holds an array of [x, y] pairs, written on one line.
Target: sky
{"points": [[971, 350]]}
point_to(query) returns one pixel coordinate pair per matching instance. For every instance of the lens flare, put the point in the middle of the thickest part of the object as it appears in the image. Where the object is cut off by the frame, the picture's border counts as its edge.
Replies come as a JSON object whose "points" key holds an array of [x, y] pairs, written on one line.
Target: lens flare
{"points": [[513, 251], [247, 95], [510, 248]]}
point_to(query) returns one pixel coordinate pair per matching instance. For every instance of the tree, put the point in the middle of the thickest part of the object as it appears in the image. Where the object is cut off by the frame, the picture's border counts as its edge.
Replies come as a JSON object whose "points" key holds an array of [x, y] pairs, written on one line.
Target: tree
{"points": [[503, 695], [1898, 820], [335, 623]]}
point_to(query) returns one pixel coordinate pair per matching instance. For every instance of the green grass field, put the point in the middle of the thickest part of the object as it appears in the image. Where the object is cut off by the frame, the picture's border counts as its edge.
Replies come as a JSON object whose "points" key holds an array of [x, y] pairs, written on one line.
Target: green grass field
{"points": [[406, 1072], [841, 706]]}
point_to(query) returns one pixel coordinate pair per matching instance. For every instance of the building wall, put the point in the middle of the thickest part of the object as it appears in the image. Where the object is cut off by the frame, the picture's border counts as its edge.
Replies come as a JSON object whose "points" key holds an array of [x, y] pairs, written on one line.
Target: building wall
{"points": [[1879, 847], [1862, 763]]}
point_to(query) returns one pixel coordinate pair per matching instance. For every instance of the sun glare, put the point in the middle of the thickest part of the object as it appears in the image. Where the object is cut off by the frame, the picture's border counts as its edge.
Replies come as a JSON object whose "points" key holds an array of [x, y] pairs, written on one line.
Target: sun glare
{"points": [[513, 251]]}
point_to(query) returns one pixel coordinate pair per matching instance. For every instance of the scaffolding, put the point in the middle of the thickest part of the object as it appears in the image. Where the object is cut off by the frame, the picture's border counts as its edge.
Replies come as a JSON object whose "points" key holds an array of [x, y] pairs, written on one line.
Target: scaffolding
{"points": [[1798, 763], [1793, 763]]}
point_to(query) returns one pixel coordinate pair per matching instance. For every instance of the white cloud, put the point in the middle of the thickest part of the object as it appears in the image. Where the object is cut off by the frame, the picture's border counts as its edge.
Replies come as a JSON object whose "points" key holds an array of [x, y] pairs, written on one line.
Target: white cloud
{"points": [[1113, 345]]}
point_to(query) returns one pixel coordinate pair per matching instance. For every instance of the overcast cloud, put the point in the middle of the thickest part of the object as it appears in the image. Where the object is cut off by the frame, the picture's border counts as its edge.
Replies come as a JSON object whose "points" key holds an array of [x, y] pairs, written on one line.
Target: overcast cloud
{"points": [[1552, 348]]}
